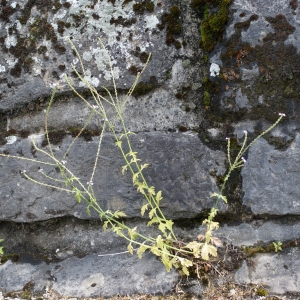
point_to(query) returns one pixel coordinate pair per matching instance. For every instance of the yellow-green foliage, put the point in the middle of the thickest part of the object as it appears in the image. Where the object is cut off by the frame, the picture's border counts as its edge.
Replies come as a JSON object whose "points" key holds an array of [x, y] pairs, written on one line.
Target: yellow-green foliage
{"points": [[261, 292], [206, 98], [212, 26]]}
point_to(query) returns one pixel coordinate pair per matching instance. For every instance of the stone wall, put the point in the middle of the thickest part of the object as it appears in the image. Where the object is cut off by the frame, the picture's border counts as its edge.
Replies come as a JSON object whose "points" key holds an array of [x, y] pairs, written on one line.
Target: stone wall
{"points": [[181, 113]]}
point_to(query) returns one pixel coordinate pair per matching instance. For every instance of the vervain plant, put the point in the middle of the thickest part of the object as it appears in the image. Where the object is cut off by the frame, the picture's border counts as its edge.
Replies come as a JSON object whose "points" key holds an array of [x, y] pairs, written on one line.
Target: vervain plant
{"points": [[166, 245]]}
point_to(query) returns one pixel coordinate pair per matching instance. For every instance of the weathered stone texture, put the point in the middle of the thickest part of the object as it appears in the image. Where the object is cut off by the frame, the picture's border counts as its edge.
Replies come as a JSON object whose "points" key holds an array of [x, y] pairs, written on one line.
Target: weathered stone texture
{"points": [[179, 164], [270, 179]]}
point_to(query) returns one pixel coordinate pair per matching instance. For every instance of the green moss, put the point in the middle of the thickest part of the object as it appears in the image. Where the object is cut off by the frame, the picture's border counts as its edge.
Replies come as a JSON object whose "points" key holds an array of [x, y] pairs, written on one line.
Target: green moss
{"points": [[172, 20], [55, 137], [144, 57], [261, 292], [142, 88], [26, 295], [182, 128], [86, 133], [199, 4], [142, 7], [213, 25], [121, 21], [206, 99], [246, 24]]}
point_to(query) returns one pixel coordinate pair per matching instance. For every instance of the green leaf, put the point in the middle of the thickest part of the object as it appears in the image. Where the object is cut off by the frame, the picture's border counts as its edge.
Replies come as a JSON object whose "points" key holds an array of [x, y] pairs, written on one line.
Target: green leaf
{"points": [[141, 187], [153, 221], [105, 225], [88, 210], [141, 250], [214, 195], [194, 247], [166, 261], [162, 228], [208, 250], [158, 196], [185, 271], [159, 242], [1, 250], [169, 224], [144, 166], [117, 214], [130, 249], [78, 196], [135, 177], [152, 212], [132, 233], [144, 208], [155, 251], [124, 169], [151, 191]]}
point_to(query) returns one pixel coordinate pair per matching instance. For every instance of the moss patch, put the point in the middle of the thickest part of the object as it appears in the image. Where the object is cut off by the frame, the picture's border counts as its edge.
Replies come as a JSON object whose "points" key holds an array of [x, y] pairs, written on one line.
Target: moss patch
{"points": [[142, 7], [213, 25], [172, 21]]}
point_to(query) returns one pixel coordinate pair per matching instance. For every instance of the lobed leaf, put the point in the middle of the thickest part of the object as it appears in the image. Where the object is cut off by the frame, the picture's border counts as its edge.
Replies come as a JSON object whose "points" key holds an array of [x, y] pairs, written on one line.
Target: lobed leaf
{"points": [[144, 208], [208, 250], [130, 248]]}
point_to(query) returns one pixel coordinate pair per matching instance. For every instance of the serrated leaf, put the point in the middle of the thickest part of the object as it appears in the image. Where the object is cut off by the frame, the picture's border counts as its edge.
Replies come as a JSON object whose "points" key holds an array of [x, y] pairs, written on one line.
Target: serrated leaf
{"points": [[141, 250], [208, 250], [105, 225], [144, 166], [130, 249], [153, 221], [185, 271], [169, 224], [78, 196], [194, 247], [167, 263], [140, 187], [151, 213], [132, 233], [151, 191], [159, 242], [135, 177], [158, 196], [155, 251], [144, 208], [124, 169], [162, 228], [117, 214]]}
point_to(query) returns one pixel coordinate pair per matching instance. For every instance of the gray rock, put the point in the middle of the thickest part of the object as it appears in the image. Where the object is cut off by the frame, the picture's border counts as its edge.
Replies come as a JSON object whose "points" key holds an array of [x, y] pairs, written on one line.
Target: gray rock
{"points": [[91, 276], [279, 272], [270, 179], [158, 111], [180, 166]]}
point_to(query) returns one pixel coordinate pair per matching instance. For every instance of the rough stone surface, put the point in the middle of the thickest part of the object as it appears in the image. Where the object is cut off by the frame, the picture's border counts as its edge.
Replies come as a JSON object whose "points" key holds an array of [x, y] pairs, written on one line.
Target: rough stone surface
{"points": [[270, 179], [91, 276], [179, 163], [278, 272], [259, 66]]}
